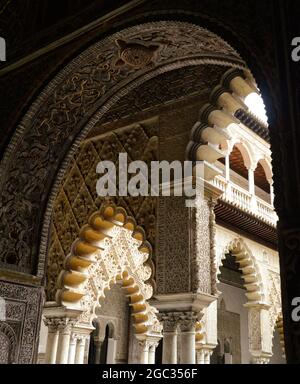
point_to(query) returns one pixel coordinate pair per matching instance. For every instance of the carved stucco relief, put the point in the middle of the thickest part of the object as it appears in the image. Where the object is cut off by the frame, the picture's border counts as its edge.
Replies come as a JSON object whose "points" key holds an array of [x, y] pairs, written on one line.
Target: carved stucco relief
{"points": [[78, 198], [51, 126], [274, 297], [23, 311], [201, 248], [173, 256]]}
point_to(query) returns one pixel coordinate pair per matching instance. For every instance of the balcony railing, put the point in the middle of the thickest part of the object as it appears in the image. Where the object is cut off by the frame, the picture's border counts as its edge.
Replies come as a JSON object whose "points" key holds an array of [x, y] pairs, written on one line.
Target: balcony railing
{"points": [[242, 199]]}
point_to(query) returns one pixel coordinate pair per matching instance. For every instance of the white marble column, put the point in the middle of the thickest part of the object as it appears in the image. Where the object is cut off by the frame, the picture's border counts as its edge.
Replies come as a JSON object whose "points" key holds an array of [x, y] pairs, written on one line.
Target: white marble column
{"points": [[52, 340], [80, 348], [227, 177], [207, 355], [169, 348], [144, 357], [152, 348], [227, 168], [203, 355], [72, 350], [271, 192], [200, 356], [251, 182], [64, 341], [188, 339]]}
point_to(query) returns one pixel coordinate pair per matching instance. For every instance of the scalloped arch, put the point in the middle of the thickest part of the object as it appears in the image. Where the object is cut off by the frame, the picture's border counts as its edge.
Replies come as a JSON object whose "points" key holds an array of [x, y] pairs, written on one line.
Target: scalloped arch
{"points": [[111, 248], [212, 137], [247, 264]]}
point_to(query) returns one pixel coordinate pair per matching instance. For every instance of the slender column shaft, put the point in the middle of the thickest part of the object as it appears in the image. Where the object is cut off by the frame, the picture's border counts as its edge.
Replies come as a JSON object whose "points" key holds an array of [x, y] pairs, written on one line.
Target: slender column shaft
{"points": [[144, 352], [188, 347], [52, 343], [169, 348], [63, 346], [207, 357], [227, 168], [271, 194], [200, 357], [80, 348], [251, 181], [72, 350], [152, 349]]}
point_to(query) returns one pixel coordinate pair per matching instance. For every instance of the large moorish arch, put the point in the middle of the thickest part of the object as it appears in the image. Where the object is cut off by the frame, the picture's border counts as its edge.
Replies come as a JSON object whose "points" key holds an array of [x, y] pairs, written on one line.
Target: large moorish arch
{"points": [[72, 103]]}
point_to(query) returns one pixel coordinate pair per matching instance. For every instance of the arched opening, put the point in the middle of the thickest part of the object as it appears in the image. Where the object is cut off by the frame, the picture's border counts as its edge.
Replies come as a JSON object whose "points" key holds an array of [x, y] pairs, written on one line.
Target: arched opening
{"points": [[236, 165], [263, 185], [238, 170], [108, 350], [111, 335], [256, 105], [241, 304], [101, 280], [232, 315]]}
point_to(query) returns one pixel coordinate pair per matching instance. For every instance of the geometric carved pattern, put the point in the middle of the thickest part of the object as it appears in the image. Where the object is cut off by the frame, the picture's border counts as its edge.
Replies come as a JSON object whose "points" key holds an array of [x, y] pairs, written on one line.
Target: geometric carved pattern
{"points": [[8, 344], [23, 310], [55, 124], [110, 249], [274, 297], [275, 310], [78, 198]]}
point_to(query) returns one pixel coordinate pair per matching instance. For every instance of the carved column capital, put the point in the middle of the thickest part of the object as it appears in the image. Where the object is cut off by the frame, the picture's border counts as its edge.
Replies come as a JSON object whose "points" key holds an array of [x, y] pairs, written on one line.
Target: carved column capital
{"points": [[59, 323], [169, 320], [187, 321]]}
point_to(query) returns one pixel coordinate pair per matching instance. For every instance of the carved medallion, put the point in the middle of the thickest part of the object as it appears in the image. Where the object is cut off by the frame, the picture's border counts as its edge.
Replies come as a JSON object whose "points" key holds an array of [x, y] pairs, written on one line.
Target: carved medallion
{"points": [[134, 54]]}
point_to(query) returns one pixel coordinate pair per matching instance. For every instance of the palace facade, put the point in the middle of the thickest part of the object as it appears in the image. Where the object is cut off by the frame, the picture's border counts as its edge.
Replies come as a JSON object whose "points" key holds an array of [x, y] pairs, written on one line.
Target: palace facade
{"points": [[87, 279]]}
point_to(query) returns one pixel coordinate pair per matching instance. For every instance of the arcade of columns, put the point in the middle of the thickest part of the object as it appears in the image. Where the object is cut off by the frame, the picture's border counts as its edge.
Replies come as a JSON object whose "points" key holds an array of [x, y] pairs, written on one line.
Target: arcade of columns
{"points": [[96, 261]]}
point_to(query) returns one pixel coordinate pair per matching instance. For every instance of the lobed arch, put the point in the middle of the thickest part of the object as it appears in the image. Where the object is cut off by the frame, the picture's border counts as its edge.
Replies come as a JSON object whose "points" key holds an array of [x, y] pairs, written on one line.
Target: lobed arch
{"points": [[110, 248], [215, 133], [73, 103], [250, 271]]}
